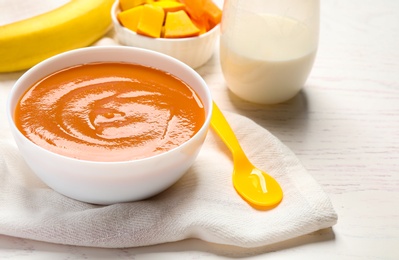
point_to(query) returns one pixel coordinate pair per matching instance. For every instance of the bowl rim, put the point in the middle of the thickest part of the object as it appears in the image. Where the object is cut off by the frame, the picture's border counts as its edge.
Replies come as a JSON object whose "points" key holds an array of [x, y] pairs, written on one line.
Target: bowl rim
{"points": [[13, 97], [115, 8]]}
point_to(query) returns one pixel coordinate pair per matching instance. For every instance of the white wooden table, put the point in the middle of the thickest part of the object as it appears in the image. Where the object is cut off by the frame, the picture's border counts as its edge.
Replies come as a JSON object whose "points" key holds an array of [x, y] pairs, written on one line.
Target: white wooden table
{"points": [[344, 127]]}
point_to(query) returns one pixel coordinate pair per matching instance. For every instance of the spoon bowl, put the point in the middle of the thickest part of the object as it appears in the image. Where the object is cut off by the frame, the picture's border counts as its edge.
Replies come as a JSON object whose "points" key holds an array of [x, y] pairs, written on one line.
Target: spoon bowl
{"points": [[255, 186]]}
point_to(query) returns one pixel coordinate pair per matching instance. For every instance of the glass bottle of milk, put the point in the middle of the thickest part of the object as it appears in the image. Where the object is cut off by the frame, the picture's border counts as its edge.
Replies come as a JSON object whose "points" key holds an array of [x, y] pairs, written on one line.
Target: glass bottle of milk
{"points": [[267, 47]]}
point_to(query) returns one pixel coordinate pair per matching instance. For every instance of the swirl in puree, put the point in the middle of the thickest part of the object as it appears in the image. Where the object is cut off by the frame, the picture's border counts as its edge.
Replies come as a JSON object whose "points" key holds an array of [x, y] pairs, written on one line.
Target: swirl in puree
{"points": [[109, 112]]}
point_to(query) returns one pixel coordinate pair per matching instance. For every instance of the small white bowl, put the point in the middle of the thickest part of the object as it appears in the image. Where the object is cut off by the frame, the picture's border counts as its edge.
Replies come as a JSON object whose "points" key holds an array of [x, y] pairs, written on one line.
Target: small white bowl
{"points": [[110, 182], [194, 51]]}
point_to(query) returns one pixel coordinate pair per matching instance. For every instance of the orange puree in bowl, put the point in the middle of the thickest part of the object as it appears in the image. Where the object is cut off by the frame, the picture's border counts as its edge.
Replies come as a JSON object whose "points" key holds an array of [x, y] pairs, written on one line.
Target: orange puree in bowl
{"points": [[109, 112]]}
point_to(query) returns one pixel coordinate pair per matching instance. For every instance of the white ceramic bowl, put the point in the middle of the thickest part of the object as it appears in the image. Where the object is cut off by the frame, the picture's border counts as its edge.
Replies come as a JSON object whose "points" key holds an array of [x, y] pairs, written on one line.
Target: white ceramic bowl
{"points": [[110, 182], [194, 51]]}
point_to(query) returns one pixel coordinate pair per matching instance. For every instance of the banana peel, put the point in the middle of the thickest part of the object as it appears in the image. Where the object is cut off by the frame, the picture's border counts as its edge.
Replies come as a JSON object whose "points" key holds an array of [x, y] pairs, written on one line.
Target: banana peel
{"points": [[76, 24]]}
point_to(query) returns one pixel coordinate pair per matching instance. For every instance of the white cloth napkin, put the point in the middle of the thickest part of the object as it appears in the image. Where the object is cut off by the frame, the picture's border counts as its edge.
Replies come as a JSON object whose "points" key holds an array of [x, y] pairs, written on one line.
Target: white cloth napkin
{"points": [[202, 204]]}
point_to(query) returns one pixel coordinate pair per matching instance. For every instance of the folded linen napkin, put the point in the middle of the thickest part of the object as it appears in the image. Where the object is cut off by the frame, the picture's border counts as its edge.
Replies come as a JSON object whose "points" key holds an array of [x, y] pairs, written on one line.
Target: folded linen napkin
{"points": [[202, 204]]}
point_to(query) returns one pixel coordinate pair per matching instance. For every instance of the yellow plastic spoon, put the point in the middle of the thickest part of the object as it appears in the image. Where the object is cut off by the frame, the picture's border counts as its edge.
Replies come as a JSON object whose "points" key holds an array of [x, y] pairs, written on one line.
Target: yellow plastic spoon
{"points": [[255, 186]]}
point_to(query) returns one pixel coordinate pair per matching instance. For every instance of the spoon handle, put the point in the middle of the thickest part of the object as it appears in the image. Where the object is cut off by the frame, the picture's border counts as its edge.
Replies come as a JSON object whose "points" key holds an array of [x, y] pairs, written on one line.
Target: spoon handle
{"points": [[223, 129]]}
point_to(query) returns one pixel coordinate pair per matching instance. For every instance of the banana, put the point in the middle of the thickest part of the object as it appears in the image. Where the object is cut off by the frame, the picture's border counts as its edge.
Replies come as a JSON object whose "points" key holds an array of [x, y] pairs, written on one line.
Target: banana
{"points": [[76, 24]]}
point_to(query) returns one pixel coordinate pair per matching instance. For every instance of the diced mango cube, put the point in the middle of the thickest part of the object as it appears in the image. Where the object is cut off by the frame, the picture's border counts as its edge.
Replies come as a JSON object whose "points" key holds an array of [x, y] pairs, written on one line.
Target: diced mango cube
{"points": [[151, 21], [212, 12], [178, 25], [202, 25], [170, 6], [131, 17], [147, 17], [127, 4], [194, 8]]}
